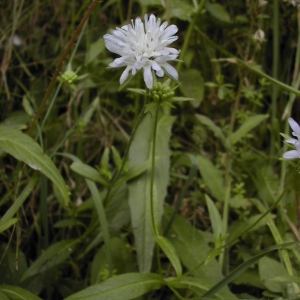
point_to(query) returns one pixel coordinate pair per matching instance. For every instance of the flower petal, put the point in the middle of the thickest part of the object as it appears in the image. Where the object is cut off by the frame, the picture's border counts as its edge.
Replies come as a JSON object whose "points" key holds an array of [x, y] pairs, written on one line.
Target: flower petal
{"points": [[148, 78], [295, 126], [171, 70], [291, 141], [293, 154], [125, 74]]}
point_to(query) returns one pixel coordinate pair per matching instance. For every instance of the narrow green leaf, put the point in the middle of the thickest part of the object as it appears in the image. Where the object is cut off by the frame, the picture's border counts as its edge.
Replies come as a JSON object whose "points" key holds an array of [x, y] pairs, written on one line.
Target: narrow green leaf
{"points": [[94, 50], [286, 279], [199, 285], [139, 188], [6, 220], [211, 177], [268, 269], [214, 128], [246, 127], [25, 149], [170, 252], [215, 218], [126, 286], [88, 172], [101, 216], [218, 11], [138, 91], [3, 296], [116, 157], [192, 85], [134, 172], [181, 99], [6, 224], [243, 267], [85, 119], [17, 293], [192, 248], [53, 256]]}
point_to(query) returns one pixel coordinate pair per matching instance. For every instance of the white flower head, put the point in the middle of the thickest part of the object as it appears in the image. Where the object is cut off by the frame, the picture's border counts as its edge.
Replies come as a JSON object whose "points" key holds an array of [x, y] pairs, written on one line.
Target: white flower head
{"points": [[293, 154], [143, 46]]}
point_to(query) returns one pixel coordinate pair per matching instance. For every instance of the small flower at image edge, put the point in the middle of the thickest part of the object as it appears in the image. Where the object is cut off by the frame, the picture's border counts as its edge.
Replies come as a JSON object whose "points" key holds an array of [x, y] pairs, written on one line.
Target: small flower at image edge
{"points": [[293, 154], [144, 46]]}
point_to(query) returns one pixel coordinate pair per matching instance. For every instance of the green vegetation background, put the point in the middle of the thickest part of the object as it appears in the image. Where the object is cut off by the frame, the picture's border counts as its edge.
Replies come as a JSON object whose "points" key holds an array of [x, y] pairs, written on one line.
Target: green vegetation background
{"points": [[229, 205]]}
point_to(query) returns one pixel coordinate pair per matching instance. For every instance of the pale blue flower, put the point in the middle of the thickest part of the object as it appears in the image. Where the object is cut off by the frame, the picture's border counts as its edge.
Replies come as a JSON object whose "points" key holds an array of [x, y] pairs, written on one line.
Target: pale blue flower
{"points": [[293, 154], [143, 46]]}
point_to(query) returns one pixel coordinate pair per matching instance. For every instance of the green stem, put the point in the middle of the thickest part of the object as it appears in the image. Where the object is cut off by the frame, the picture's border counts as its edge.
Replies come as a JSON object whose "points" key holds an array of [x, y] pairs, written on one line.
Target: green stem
{"points": [[189, 35], [274, 132], [154, 225]]}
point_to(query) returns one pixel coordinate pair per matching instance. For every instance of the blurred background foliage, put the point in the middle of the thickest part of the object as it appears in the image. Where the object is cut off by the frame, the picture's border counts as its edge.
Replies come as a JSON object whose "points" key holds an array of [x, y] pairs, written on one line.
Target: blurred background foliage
{"points": [[225, 147]]}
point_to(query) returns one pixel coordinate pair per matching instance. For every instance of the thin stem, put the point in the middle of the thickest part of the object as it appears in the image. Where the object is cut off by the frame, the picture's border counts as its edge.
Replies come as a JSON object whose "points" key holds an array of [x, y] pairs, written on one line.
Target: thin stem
{"points": [[189, 34], [274, 133], [154, 226]]}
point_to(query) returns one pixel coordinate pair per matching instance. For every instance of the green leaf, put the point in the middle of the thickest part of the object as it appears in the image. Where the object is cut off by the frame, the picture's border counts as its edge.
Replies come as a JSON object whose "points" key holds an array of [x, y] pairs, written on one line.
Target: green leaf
{"points": [[6, 224], [126, 286], [191, 245], [246, 127], [170, 252], [214, 128], [215, 218], [268, 269], [88, 172], [17, 293], [138, 91], [116, 157], [180, 10], [101, 216], [198, 285], [211, 177], [180, 99], [286, 279], [150, 106], [192, 85], [7, 221], [23, 148], [94, 50], [122, 260], [86, 117], [3, 296], [218, 11], [134, 172], [242, 268], [55, 255], [139, 188]]}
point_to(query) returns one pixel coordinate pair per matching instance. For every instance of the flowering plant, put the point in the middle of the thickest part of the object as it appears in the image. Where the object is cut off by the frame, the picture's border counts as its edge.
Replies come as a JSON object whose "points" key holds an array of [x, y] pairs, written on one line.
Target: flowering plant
{"points": [[144, 46], [293, 154]]}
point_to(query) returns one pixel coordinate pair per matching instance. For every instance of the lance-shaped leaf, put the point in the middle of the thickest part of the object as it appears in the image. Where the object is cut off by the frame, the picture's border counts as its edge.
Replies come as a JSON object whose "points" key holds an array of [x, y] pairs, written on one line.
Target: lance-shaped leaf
{"points": [[246, 127], [53, 256], [25, 149], [126, 286], [16, 293], [139, 188]]}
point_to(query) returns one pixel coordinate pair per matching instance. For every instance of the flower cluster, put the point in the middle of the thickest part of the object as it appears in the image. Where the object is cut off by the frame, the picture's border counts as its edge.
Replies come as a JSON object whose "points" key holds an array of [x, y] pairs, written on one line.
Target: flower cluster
{"points": [[293, 154], [144, 46]]}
